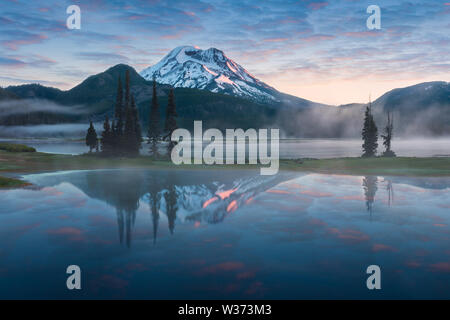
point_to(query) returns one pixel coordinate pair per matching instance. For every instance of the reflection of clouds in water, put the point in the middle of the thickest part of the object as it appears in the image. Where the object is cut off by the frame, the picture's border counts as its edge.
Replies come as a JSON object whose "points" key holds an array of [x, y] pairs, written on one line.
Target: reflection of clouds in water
{"points": [[242, 249], [440, 267], [350, 235], [382, 247]]}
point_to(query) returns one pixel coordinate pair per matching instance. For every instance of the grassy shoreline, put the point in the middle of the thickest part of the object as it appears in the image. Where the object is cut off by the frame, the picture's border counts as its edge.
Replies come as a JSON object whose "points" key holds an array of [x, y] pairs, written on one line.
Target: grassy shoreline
{"points": [[28, 162]]}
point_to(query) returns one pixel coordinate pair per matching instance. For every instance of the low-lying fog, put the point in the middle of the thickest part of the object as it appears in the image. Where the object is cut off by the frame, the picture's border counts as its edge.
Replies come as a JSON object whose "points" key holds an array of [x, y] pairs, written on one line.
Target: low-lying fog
{"points": [[72, 131], [69, 139]]}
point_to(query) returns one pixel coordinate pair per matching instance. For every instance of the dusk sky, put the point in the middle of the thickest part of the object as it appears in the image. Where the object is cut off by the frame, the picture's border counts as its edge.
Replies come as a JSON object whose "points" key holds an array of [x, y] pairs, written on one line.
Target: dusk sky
{"points": [[318, 50]]}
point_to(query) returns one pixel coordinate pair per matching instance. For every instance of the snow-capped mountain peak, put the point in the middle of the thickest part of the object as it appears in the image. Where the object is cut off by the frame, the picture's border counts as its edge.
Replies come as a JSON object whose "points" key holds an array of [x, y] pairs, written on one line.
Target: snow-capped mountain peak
{"points": [[211, 69]]}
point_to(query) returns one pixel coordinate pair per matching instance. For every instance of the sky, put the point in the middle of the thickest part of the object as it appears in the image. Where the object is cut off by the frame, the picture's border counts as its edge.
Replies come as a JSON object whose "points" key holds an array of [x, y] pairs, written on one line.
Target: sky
{"points": [[317, 50]]}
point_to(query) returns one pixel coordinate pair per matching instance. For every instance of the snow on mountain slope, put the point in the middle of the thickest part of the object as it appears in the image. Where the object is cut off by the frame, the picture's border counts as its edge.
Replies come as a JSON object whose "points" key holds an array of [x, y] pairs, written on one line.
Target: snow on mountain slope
{"points": [[211, 69]]}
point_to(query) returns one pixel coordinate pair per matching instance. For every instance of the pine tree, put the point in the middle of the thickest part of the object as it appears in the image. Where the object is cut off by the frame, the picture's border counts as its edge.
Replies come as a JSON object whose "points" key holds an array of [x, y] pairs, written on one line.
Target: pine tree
{"points": [[171, 122], [153, 127], [106, 138], [127, 88], [369, 134], [132, 132], [119, 119], [129, 133], [137, 124], [387, 137], [91, 137]]}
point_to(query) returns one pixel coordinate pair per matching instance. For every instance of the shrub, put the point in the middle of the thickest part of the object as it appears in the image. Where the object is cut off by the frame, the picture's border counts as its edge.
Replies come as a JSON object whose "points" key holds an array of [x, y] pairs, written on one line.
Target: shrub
{"points": [[11, 147]]}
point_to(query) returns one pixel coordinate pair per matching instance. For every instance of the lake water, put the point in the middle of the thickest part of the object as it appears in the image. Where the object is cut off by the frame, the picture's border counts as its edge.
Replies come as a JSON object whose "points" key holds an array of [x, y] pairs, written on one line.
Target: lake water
{"points": [[289, 148], [233, 234]]}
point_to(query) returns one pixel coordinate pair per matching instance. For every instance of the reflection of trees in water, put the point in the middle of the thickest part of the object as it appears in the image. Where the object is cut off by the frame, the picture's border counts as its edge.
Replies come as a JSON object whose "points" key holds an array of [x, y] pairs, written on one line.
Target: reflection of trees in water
{"points": [[171, 206], [390, 190], [370, 189], [154, 199], [168, 192], [120, 190]]}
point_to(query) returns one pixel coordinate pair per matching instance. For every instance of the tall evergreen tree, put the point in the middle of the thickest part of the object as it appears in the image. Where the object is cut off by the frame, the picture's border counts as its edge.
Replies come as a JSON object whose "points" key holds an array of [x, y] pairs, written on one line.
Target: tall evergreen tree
{"points": [[171, 123], [153, 126], [119, 119], [369, 134], [129, 133], [387, 136], [127, 88], [132, 132], [106, 138], [137, 124], [91, 137]]}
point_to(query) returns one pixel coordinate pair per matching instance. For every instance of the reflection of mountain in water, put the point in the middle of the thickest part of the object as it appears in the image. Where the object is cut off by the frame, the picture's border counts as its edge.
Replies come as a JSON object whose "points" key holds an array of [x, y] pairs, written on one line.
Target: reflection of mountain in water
{"points": [[206, 196], [187, 195]]}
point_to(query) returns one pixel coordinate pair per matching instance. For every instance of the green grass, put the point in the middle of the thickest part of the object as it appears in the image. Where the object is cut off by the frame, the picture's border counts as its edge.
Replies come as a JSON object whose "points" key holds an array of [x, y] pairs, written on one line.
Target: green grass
{"points": [[400, 166], [11, 147], [11, 183]]}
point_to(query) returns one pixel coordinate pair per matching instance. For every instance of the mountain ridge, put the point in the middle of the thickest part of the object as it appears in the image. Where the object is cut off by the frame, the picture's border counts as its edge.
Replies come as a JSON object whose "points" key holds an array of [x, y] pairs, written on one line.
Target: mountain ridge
{"points": [[210, 69], [425, 104]]}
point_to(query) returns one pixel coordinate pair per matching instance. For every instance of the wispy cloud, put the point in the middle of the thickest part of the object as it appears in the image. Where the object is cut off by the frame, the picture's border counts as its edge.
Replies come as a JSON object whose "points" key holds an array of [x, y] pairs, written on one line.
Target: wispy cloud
{"points": [[302, 47]]}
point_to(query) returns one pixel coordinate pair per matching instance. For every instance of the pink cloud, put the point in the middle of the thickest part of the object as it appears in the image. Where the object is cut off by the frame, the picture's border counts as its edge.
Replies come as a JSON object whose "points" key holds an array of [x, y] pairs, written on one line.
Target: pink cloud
{"points": [[317, 38], [317, 5], [15, 44], [275, 39], [362, 34]]}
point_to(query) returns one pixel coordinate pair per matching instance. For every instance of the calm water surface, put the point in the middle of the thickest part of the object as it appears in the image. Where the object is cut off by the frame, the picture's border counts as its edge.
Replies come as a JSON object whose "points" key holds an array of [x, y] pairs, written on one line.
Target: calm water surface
{"points": [[224, 234], [289, 148]]}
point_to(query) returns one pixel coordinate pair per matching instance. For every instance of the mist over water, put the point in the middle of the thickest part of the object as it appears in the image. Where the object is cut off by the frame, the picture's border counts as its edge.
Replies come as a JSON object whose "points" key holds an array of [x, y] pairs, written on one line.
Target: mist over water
{"points": [[346, 122], [71, 130], [335, 148], [289, 148], [26, 106]]}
